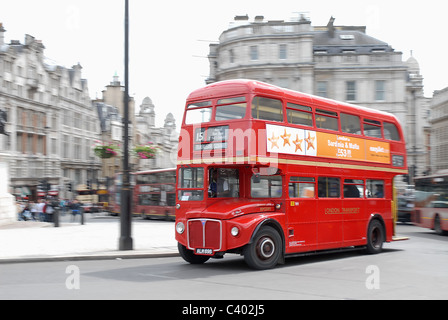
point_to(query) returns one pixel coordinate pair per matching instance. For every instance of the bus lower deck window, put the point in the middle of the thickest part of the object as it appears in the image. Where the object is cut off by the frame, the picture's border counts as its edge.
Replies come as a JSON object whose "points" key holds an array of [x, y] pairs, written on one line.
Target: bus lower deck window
{"points": [[266, 187], [223, 183], [375, 188], [328, 187], [301, 187]]}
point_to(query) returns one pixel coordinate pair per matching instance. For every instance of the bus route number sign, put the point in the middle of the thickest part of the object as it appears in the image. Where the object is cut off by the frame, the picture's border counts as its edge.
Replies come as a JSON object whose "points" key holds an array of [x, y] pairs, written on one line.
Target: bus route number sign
{"points": [[211, 138]]}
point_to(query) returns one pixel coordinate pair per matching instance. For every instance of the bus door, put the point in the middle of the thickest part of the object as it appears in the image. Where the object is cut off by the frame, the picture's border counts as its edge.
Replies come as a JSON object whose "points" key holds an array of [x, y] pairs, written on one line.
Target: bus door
{"points": [[329, 212], [302, 216], [353, 211]]}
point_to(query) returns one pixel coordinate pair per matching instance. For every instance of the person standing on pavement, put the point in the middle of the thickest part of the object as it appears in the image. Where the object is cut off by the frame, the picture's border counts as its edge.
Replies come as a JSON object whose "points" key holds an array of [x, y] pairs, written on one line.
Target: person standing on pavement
{"points": [[40, 209], [49, 211]]}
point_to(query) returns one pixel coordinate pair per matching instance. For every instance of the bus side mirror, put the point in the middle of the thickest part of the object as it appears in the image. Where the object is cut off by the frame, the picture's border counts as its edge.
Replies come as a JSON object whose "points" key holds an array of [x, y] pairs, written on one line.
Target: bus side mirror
{"points": [[256, 178]]}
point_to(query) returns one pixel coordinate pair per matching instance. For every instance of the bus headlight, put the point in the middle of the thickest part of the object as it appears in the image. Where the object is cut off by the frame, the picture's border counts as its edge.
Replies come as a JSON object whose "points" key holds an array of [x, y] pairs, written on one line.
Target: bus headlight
{"points": [[180, 228], [234, 231]]}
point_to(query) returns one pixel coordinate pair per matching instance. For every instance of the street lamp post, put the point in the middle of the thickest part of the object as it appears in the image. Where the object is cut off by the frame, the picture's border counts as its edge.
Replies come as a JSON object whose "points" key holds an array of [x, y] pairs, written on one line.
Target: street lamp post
{"points": [[125, 241]]}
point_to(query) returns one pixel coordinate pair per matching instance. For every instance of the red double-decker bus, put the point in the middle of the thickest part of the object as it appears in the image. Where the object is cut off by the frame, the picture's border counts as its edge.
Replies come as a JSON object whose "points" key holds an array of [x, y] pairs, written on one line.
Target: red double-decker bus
{"points": [[268, 172], [431, 202], [154, 194]]}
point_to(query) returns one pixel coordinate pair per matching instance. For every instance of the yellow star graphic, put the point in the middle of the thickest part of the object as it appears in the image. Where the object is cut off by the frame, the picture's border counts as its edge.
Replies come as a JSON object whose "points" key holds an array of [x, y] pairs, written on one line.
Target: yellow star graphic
{"points": [[310, 142], [285, 138], [274, 141], [298, 143]]}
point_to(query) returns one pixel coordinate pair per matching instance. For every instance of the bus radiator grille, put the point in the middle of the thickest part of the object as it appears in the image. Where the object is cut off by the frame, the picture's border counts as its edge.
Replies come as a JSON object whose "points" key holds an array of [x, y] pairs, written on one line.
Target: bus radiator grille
{"points": [[204, 233]]}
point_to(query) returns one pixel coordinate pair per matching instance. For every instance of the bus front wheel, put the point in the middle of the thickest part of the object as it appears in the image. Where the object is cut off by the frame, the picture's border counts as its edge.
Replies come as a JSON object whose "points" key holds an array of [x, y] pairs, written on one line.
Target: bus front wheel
{"points": [[375, 237], [189, 256], [265, 250]]}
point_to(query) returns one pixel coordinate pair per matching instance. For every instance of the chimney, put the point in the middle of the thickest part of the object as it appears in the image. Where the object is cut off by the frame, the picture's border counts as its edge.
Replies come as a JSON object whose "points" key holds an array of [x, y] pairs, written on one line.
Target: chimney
{"points": [[259, 19], [330, 27], [2, 34], [241, 18]]}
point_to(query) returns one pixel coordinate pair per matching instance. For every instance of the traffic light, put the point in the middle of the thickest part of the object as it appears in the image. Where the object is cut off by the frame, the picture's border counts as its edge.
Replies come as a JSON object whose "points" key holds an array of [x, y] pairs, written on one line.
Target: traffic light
{"points": [[43, 185], [88, 184], [69, 187]]}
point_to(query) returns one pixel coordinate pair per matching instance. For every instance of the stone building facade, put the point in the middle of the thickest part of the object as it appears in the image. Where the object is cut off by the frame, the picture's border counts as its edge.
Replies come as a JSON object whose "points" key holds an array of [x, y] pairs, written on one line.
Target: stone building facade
{"points": [[439, 130], [52, 124], [51, 121], [165, 138], [338, 62]]}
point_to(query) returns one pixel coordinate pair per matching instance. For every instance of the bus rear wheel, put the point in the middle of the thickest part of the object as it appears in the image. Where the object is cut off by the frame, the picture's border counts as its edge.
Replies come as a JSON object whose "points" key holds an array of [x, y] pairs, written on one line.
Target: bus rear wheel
{"points": [[375, 237], [189, 256], [265, 250]]}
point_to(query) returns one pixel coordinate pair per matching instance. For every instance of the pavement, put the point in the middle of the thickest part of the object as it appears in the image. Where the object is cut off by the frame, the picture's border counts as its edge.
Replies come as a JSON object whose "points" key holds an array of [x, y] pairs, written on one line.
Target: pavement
{"points": [[32, 241]]}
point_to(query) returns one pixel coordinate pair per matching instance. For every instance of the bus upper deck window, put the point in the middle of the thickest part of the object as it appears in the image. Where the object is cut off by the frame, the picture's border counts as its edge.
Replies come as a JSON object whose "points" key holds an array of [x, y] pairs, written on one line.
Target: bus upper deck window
{"points": [[350, 123], [298, 114], [391, 131], [327, 120], [199, 112], [267, 109], [231, 108], [372, 128]]}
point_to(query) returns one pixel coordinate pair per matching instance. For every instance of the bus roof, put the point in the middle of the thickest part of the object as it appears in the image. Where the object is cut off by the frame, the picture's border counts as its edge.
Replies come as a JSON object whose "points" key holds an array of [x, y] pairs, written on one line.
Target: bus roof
{"points": [[242, 86], [154, 171], [438, 174]]}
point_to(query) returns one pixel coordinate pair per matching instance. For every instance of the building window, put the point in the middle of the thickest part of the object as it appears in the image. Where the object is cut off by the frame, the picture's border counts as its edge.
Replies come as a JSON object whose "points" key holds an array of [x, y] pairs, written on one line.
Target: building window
{"points": [[19, 142], [380, 92], [231, 56], [322, 89], [65, 146], [77, 120], [254, 53], [282, 53], [77, 148], [350, 93], [29, 143]]}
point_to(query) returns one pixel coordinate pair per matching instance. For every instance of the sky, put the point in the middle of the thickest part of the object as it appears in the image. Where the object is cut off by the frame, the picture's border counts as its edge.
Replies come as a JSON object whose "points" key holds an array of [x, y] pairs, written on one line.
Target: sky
{"points": [[169, 40]]}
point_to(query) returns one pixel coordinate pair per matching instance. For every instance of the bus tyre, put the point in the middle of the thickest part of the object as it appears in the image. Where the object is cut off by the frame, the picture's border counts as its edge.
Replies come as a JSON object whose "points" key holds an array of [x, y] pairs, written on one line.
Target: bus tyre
{"points": [[375, 237], [265, 249], [189, 256]]}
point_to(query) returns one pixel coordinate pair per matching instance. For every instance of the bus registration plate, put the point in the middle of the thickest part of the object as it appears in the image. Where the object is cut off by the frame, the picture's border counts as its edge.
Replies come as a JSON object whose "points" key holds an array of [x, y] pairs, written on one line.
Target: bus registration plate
{"points": [[204, 251]]}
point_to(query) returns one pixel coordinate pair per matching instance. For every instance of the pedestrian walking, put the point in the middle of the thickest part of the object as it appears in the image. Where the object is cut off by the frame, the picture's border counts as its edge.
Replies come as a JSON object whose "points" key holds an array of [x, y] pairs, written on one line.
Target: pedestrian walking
{"points": [[19, 209], [76, 207], [26, 214], [33, 209]]}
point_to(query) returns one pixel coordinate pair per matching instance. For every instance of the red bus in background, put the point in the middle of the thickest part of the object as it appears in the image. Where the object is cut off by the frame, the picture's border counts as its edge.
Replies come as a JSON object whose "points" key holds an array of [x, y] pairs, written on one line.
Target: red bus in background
{"points": [[114, 190], [431, 202], [268, 172], [154, 193]]}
